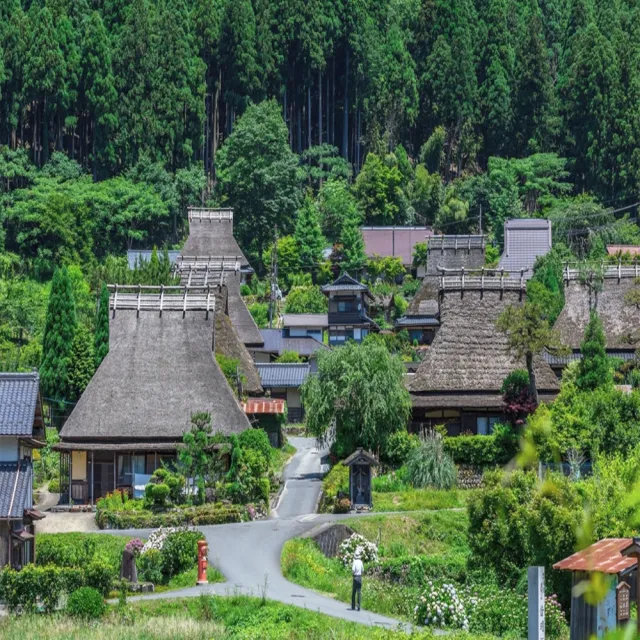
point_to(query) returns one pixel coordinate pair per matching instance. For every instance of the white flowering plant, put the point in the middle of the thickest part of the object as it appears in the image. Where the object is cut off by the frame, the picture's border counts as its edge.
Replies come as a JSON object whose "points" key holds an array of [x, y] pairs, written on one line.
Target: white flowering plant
{"points": [[157, 537], [368, 550], [442, 606]]}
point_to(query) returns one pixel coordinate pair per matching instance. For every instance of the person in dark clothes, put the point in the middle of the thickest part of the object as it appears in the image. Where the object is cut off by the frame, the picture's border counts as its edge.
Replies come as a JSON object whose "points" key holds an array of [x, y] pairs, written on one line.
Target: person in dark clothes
{"points": [[357, 569]]}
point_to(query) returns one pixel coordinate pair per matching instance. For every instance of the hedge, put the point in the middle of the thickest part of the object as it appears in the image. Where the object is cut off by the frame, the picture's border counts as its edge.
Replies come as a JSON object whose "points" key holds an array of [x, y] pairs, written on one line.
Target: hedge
{"points": [[336, 482], [217, 513], [480, 450]]}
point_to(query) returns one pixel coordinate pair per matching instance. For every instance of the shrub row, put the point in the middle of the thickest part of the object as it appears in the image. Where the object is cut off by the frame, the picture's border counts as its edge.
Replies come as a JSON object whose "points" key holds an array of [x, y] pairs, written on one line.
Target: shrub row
{"points": [[335, 483], [217, 513], [24, 590], [414, 571], [480, 450]]}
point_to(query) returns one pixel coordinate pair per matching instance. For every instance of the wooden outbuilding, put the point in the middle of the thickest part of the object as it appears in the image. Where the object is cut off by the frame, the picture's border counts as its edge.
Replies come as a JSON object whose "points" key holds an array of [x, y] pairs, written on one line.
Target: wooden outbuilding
{"points": [[360, 475]]}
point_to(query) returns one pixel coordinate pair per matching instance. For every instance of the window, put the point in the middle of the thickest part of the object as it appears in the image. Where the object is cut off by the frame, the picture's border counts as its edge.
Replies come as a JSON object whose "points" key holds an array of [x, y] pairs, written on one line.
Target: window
{"points": [[483, 426], [128, 465], [493, 421]]}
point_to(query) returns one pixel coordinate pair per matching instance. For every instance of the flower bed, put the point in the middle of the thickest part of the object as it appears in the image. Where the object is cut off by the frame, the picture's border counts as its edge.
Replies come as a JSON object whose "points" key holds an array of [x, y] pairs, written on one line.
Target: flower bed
{"points": [[213, 513], [349, 547]]}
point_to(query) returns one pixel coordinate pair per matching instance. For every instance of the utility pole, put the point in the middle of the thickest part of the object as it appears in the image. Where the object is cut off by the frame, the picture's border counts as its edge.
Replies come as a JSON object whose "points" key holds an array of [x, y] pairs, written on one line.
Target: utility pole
{"points": [[274, 277], [480, 219]]}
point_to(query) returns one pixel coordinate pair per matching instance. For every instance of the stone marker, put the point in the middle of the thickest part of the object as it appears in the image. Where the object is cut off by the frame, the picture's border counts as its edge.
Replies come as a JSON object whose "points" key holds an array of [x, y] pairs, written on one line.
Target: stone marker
{"points": [[535, 577]]}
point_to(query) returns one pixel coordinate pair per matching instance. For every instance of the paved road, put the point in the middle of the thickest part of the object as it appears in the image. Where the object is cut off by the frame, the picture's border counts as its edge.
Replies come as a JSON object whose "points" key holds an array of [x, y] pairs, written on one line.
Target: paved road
{"points": [[248, 553]]}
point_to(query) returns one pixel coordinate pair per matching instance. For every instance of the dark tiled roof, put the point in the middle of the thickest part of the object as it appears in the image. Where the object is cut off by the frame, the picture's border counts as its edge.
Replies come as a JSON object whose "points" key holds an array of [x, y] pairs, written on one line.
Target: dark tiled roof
{"points": [[305, 320], [345, 283], [135, 256], [283, 375], [524, 240], [15, 488], [556, 361], [418, 321], [274, 342], [18, 402]]}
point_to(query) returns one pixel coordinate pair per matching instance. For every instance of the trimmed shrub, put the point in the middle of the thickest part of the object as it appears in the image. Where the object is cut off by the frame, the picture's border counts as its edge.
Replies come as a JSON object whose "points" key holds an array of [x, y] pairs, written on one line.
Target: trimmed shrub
{"points": [[160, 493], [180, 552], [150, 566], [480, 450], [99, 575], [397, 448], [429, 466], [335, 483], [87, 603], [256, 439]]}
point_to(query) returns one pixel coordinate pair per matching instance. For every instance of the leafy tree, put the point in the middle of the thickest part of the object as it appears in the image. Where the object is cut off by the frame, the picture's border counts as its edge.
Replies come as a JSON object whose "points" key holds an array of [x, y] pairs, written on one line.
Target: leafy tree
{"points": [[352, 242], [308, 236], [420, 254], [81, 362], [101, 336], [305, 299], [360, 390], [376, 189], [595, 368], [59, 334], [528, 334], [336, 204], [258, 176], [288, 357], [425, 194], [517, 398]]}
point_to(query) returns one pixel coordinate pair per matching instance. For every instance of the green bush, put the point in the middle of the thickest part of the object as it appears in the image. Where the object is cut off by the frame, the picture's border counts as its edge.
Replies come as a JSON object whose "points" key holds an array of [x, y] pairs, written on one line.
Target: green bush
{"points": [[160, 493], [149, 566], [100, 576], [180, 552], [212, 513], [24, 590], [391, 482], [257, 440], [54, 485], [335, 482], [480, 450], [429, 466], [87, 603], [397, 448]]}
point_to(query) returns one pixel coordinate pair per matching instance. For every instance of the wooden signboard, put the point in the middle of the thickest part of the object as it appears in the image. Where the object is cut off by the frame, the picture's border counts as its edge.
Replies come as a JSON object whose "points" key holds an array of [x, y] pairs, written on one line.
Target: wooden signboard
{"points": [[623, 601]]}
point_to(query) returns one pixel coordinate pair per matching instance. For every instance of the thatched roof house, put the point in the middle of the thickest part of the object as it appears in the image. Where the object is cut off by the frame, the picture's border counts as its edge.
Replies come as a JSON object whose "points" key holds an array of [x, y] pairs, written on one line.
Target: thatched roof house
{"points": [[604, 291], [458, 382], [159, 371]]}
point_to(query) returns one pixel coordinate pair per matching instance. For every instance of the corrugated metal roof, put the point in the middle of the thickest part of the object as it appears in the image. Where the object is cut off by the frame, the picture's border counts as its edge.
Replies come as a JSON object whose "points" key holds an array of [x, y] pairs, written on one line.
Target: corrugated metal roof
{"points": [[394, 241], [305, 320], [283, 375], [274, 342], [15, 489], [524, 240], [18, 402], [134, 256], [605, 556], [264, 405]]}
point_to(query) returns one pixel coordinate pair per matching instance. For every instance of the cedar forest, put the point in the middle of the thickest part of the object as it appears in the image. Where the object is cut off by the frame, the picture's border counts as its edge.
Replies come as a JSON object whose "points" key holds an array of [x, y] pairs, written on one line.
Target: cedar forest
{"points": [[307, 117]]}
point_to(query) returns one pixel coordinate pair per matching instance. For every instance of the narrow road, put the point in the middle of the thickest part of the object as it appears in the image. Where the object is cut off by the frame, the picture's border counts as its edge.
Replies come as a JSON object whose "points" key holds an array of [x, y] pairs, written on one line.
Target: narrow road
{"points": [[248, 553]]}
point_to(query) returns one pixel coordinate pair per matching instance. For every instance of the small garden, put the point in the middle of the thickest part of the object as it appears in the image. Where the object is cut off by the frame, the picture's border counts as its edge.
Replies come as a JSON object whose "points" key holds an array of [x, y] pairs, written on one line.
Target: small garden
{"points": [[90, 563], [216, 479]]}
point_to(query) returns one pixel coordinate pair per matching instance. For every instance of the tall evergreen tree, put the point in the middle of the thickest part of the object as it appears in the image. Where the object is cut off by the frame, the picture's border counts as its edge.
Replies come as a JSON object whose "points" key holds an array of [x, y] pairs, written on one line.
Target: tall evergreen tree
{"points": [[308, 236], [101, 336], [594, 370], [82, 364], [59, 332], [352, 243]]}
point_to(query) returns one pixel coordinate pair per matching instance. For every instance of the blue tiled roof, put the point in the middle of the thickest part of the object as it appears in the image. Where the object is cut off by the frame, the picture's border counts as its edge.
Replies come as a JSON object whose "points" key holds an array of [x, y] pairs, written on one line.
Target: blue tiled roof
{"points": [[18, 401], [15, 488], [282, 375], [418, 321], [275, 342], [576, 355]]}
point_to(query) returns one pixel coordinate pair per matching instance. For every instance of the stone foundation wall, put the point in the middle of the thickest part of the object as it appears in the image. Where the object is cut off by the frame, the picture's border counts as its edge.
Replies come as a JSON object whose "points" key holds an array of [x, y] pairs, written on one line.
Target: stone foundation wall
{"points": [[329, 538], [469, 476]]}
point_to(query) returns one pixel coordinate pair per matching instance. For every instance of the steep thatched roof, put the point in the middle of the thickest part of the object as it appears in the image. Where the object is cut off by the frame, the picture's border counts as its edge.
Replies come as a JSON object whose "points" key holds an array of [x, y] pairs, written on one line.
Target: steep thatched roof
{"points": [[228, 343], [621, 321], [158, 372], [242, 320], [449, 252], [212, 236], [469, 355]]}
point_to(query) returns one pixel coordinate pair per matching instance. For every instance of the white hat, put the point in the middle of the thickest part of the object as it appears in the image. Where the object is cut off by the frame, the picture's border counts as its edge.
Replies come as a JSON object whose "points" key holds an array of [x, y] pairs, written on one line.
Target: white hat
{"points": [[358, 553]]}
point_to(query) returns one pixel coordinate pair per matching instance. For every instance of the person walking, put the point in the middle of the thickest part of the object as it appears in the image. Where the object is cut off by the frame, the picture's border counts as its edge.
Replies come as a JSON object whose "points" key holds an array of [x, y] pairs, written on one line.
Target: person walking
{"points": [[356, 571]]}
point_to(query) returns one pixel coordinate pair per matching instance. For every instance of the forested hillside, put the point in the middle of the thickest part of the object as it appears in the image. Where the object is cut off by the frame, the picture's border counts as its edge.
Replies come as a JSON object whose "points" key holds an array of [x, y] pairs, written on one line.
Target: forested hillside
{"points": [[309, 116]]}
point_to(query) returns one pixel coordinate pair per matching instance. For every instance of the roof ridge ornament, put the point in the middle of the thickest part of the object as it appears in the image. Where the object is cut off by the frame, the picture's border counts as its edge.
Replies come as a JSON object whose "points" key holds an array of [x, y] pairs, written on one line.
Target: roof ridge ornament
{"points": [[210, 214]]}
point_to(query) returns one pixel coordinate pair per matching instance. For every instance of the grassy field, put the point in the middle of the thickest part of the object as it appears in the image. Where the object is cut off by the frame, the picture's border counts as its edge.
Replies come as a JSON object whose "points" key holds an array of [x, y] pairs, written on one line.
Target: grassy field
{"points": [[411, 548], [418, 499], [206, 617]]}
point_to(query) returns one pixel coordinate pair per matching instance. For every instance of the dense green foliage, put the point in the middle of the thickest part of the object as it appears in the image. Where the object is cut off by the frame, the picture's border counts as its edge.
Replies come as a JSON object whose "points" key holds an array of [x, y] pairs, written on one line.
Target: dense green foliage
{"points": [[101, 337], [360, 389], [428, 465], [594, 370], [87, 603]]}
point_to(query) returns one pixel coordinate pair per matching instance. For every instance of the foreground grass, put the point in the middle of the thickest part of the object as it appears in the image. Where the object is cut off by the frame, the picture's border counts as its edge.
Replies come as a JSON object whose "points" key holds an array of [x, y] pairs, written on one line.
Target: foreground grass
{"points": [[412, 547], [280, 457], [420, 499], [206, 617], [188, 579], [67, 549]]}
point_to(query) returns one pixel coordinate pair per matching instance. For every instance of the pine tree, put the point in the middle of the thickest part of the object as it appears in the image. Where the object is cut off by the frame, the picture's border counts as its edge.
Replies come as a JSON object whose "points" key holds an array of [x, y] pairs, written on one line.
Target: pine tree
{"points": [[353, 245], [594, 370], [59, 332], [82, 363], [101, 336], [308, 235]]}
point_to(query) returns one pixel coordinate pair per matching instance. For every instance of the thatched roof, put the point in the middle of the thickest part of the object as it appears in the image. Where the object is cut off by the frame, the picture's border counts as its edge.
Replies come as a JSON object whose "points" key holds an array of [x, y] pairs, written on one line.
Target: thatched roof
{"points": [[449, 252], [468, 354], [158, 372], [242, 320], [212, 236], [620, 321], [228, 343]]}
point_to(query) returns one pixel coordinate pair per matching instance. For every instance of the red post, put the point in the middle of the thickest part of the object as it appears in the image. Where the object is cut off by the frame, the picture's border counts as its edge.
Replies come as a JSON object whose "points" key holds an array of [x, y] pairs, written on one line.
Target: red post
{"points": [[202, 562]]}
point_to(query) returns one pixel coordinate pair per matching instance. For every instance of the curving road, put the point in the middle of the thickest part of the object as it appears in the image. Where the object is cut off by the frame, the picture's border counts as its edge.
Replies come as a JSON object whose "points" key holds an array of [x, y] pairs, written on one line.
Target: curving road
{"points": [[248, 553]]}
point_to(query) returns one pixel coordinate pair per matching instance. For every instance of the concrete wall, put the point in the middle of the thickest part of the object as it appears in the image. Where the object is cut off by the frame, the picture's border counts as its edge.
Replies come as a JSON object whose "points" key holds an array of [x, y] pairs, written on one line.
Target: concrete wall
{"points": [[78, 465]]}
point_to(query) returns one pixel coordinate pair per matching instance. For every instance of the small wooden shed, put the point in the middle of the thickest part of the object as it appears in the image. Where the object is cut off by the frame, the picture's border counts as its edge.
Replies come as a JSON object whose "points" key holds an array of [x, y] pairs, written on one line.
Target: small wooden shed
{"points": [[360, 463], [608, 557]]}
